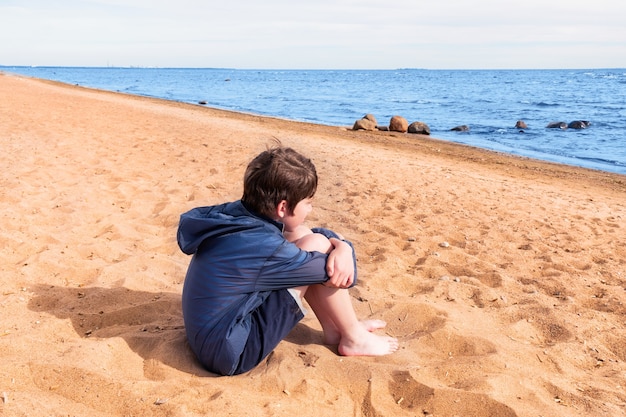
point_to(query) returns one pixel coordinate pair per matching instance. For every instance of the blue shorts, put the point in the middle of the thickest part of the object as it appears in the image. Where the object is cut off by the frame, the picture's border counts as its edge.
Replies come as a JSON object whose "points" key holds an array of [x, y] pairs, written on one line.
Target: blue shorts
{"points": [[270, 323]]}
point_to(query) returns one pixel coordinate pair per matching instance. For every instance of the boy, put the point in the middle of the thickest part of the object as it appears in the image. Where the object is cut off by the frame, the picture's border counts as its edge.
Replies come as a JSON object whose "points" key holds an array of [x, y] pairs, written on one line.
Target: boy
{"points": [[243, 289]]}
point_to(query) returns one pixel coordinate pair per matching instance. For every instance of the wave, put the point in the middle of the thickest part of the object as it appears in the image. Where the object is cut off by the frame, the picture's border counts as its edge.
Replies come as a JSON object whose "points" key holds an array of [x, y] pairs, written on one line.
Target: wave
{"points": [[544, 104], [602, 161]]}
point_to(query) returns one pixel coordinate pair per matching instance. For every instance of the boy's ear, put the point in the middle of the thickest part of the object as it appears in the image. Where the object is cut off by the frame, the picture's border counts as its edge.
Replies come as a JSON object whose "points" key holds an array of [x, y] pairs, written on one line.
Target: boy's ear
{"points": [[281, 209]]}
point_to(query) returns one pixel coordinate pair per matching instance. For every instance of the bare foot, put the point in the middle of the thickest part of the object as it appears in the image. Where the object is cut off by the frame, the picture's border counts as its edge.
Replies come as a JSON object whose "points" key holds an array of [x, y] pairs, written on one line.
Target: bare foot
{"points": [[374, 324], [368, 344], [333, 337]]}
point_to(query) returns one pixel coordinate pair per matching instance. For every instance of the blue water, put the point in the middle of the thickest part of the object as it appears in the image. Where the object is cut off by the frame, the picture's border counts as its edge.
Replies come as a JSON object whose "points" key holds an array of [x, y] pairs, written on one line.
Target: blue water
{"points": [[488, 101]]}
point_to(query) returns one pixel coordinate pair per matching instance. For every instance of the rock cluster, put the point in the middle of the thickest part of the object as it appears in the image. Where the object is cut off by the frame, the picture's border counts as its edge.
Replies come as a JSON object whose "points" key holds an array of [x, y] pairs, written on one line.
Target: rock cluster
{"points": [[400, 124], [576, 124], [396, 124]]}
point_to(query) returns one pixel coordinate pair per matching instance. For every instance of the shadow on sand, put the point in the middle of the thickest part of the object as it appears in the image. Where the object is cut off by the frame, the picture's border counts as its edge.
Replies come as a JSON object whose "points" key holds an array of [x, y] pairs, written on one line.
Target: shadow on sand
{"points": [[150, 323]]}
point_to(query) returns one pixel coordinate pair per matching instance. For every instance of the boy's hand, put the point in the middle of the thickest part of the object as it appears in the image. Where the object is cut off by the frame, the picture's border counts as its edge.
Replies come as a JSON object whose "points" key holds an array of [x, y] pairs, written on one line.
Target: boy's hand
{"points": [[340, 265]]}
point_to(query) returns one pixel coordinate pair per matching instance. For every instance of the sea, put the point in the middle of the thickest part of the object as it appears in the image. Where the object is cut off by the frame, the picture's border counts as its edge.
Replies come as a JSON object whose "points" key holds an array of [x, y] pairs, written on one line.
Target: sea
{"points": [[488, 102]]}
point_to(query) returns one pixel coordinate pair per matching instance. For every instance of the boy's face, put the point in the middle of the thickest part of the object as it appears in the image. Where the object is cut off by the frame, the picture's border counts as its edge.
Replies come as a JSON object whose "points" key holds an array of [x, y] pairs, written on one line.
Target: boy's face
{"points": [[295, 219]]}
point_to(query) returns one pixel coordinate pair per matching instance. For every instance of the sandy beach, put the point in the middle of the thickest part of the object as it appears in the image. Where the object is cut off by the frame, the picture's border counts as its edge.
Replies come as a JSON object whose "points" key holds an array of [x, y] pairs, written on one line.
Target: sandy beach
{"points": [[504, 278]]}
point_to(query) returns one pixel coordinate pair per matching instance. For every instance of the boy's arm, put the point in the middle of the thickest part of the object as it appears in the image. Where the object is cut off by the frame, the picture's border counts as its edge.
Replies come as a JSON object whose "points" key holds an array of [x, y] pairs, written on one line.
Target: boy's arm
{"points": [[340, 265], [293, 267]]}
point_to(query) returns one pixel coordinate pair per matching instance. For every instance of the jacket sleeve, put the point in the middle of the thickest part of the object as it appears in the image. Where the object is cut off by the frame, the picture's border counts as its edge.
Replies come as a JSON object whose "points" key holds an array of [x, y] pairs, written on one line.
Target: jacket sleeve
{"points": [[329, 233], [293, 267]]}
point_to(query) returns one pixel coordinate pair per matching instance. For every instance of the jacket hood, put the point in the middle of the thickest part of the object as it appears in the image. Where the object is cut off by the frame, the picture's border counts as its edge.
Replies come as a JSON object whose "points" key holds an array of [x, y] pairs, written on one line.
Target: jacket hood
{"points": [[202, 223]]}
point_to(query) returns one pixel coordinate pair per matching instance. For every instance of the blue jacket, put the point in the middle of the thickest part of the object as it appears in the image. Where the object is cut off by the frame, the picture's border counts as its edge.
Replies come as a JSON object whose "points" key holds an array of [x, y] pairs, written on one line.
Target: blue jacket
{"points": [[238, 257]]}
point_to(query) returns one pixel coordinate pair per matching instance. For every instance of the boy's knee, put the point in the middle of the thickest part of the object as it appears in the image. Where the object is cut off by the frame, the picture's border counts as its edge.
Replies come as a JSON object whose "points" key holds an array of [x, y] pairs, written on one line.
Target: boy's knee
{"points": [[314, 242]]}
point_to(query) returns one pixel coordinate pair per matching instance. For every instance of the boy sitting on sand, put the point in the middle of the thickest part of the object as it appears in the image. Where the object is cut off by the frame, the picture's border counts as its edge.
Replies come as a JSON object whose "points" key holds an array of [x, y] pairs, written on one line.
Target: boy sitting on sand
{"points": [[243, 289]]}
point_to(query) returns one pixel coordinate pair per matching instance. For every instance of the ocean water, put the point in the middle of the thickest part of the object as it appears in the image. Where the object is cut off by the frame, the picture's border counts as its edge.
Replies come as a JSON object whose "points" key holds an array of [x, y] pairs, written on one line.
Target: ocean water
{"points": [[488, 101]]}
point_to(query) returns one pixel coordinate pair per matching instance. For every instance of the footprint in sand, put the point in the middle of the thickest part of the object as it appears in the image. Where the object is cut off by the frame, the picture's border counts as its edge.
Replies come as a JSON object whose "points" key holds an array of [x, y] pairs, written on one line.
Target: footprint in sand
{"points": [[403, 395]]}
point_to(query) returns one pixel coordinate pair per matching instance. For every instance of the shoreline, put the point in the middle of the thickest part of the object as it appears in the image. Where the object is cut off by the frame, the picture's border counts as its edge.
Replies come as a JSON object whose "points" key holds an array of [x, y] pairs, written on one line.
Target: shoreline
{"points": [[502, 276], [234, 113], [432, 144]]}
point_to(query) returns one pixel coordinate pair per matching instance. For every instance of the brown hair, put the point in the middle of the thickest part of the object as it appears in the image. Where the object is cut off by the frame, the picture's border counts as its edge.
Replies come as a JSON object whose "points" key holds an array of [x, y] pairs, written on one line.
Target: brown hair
{"points": [[278, 174]]}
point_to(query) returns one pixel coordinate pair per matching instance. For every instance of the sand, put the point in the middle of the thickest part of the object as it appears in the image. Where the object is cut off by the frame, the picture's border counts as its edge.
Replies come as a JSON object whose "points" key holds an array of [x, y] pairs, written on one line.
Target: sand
{"points": [[502, 277]]}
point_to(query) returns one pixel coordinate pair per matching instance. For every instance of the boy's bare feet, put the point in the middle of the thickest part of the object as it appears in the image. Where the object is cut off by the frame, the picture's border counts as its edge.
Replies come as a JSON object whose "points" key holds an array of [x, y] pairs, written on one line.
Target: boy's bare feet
{"points": [[374, 324], [333, 338], [368, 344]]}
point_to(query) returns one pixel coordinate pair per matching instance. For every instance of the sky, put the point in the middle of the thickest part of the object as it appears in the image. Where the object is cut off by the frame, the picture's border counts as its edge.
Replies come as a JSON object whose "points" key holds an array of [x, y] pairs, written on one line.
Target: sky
{"points": [[319, 34]]}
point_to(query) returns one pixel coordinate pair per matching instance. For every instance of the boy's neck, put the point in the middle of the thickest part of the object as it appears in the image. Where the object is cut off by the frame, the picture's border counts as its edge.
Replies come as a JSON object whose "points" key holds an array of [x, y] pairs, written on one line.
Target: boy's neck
{"points": [[276, 223]]}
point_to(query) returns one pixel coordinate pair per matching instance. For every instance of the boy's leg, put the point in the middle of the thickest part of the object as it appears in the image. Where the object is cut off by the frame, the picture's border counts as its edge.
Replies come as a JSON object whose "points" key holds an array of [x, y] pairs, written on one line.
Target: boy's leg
{"points": [[333, 308], [320, 243]]}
